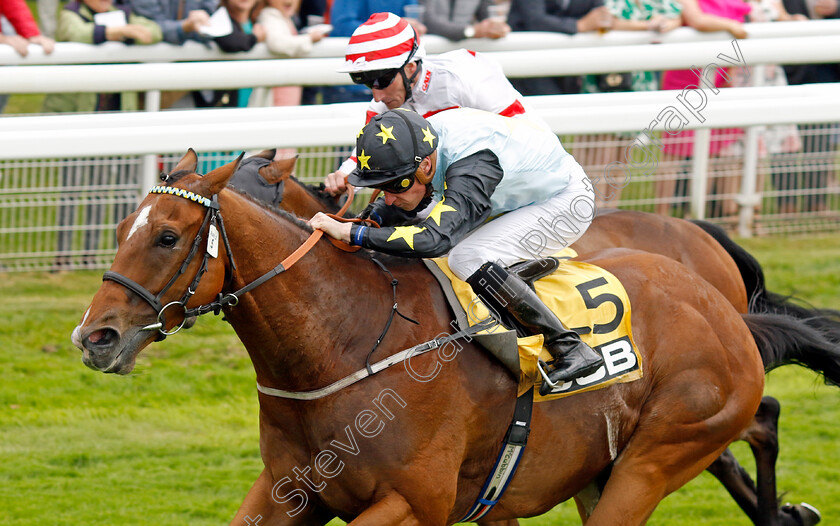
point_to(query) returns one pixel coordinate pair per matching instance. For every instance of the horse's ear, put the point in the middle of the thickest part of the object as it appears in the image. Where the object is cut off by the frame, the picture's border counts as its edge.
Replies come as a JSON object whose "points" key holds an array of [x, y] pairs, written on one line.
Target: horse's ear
{"points": [[188, 162], [216, 180], [278, 171], [266, 154]]}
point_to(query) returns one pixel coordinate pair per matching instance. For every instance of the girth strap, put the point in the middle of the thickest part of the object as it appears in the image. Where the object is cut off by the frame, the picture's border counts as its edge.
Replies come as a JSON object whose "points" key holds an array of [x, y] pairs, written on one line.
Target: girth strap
{"points": [[507, 461], [361, 374]]}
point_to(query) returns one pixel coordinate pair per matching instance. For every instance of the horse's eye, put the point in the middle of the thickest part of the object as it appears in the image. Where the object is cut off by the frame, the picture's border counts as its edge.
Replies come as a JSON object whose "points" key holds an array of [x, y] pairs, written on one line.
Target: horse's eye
{"points": [[167, 240]]}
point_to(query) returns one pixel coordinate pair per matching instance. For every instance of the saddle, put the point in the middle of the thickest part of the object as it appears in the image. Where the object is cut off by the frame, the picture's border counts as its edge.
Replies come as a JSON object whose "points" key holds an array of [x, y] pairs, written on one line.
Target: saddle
{"points": [[587, 298]]}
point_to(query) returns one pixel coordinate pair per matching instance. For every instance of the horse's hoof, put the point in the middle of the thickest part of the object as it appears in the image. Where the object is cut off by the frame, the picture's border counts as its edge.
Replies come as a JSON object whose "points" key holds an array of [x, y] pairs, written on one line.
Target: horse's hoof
{"points": [[803, 515]]}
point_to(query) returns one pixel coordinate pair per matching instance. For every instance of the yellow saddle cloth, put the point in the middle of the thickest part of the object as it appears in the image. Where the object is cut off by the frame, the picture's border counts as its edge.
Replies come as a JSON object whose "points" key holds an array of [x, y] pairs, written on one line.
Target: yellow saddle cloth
{"points": [[585, 297]]}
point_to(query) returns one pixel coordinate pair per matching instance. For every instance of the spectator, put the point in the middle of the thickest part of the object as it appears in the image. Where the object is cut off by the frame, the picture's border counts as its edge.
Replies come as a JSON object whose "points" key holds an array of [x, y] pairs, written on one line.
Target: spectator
{"points": [[179, 20], [282, 38], [702, 15], [556, 16], [345, 17], [386, 55], [818, 140], [244, 37], [48, 16], [778, 145], [630, 15], [312, 12], [77, 23], [459, 19], [23, 31], [21, 20]]}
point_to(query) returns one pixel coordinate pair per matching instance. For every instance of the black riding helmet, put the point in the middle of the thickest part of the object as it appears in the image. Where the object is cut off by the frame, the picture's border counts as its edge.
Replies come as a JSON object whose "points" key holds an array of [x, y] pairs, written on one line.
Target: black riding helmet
{"points": [[389, 150]]}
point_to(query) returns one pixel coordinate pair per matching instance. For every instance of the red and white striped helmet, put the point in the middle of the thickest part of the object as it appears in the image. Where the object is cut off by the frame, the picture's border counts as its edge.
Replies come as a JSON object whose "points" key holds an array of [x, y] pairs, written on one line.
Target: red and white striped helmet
{"points": [[385, 41]]}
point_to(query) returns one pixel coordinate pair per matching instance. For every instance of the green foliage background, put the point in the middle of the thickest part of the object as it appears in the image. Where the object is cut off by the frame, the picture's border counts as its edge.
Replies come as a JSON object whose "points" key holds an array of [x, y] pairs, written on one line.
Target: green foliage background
{"points": [[177, 441]]}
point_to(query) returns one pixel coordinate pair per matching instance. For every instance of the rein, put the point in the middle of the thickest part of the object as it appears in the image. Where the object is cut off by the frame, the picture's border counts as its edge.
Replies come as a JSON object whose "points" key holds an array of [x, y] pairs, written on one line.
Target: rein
{"points": [[215, 226]]}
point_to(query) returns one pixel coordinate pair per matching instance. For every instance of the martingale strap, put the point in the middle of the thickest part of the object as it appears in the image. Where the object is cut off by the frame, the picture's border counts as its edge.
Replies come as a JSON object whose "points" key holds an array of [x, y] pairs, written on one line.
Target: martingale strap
{"points": [[381, 365], [507, 461]]}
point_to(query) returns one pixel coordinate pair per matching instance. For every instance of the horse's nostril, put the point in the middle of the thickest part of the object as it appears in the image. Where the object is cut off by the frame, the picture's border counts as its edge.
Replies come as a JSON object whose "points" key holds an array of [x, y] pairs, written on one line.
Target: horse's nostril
{"points": [[102, 338]]}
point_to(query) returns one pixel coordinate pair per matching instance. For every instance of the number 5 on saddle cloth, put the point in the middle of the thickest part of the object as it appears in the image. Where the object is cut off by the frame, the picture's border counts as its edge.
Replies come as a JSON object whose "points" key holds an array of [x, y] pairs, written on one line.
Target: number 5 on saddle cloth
{"points": [[587, 298]]}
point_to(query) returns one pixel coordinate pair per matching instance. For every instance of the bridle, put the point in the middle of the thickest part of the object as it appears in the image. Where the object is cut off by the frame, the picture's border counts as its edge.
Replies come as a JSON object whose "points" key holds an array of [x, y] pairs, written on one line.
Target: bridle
{"points": [[215, 227], [213, 222]]}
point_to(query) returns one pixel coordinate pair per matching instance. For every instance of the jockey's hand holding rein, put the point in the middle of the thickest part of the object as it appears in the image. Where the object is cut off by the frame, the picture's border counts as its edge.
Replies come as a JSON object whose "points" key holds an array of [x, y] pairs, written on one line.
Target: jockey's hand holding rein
{"points": [[331, 227]]}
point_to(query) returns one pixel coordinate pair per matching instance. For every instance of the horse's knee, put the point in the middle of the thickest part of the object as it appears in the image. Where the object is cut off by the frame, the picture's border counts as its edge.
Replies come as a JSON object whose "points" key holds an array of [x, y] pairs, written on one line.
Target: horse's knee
{"points": [[768, 411], [763, 433]]}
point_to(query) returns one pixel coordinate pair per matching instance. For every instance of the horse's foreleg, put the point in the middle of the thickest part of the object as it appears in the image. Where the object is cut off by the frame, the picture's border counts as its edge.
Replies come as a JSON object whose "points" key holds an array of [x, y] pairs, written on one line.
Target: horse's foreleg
{"points": [[393, 510], [261, 509]]}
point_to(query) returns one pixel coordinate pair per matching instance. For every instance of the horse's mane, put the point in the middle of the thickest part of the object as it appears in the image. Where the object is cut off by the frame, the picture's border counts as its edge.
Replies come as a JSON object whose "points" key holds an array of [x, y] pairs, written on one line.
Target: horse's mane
{"points": [[318, 192], [295, 220], [386, 259], [176, 176]]}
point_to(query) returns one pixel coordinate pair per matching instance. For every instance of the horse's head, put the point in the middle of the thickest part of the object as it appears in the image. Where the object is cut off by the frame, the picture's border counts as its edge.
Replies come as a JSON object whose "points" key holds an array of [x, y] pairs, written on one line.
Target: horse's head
{"points": [[166, 263]]}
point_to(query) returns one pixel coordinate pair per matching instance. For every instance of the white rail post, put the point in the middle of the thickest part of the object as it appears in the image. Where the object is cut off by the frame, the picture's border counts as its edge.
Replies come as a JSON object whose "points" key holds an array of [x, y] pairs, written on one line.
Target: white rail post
{"points": [[700, 172], [148, 175], [750, 194]]}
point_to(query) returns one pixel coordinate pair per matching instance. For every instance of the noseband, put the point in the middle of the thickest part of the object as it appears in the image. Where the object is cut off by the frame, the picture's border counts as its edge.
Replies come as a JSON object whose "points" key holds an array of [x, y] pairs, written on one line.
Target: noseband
{"points": [[214, 225]]}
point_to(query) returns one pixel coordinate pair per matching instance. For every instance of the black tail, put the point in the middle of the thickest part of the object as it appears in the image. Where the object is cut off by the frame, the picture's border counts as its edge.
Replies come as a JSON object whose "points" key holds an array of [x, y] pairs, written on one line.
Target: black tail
{"points": [[784, 340], [761, 300]]}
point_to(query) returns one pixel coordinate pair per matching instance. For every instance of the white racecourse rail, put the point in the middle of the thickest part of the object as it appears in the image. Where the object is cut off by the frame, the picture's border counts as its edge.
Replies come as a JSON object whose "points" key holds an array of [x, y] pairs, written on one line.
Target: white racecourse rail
{"points": [[26, 141]]}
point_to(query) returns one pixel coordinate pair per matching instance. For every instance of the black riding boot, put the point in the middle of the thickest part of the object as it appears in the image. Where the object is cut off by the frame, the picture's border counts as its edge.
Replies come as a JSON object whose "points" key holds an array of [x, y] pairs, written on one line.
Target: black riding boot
{"points": [[505, 292]]}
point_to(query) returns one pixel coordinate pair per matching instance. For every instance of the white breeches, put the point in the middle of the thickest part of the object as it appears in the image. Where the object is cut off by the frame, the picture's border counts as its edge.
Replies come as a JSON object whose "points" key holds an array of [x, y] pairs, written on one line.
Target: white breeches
{"points": [[530, 232]]}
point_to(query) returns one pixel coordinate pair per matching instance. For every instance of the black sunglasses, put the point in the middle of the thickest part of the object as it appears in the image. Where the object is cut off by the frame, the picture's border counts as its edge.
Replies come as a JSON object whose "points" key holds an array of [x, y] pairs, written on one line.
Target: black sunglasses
{"points": [[377, 79], [397, 186]]}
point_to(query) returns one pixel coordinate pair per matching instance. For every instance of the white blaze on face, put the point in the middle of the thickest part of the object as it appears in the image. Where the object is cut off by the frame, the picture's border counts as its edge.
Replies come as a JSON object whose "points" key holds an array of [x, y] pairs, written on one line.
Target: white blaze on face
{"points": [[142, 219], [76, 336]]}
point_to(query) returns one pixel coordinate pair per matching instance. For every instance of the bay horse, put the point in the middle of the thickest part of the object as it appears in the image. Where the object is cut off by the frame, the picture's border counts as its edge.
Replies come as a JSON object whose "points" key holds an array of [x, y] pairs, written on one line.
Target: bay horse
{"points": [[706, 249], [315, 325]]}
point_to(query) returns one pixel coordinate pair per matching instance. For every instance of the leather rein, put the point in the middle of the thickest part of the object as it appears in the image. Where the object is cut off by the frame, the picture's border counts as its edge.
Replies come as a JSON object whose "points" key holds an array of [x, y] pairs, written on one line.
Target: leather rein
{"points": [[214, 226]]}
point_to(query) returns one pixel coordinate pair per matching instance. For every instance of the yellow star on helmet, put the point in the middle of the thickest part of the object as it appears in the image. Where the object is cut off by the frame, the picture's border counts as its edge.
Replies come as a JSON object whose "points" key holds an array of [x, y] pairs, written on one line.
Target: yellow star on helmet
{"points": [[386, 133], [363, 160], [428, 137], [439, 209], [406, 233]]}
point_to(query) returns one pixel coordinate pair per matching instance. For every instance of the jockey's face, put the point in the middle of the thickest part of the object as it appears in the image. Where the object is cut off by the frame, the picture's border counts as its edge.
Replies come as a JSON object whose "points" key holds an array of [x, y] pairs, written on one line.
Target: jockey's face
{"points": [[410, 199], [393, 95]]}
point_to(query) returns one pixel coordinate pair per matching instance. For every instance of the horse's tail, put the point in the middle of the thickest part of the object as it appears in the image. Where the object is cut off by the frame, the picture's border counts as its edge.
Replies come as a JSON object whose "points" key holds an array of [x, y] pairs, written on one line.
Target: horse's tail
{"points": [[751, 272], [762, 300], [784, 340]]}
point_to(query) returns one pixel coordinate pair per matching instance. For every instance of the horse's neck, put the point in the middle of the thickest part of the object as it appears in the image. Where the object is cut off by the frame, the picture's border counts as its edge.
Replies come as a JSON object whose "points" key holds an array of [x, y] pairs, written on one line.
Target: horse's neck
{"points": [[300, 201], [312, 324]]}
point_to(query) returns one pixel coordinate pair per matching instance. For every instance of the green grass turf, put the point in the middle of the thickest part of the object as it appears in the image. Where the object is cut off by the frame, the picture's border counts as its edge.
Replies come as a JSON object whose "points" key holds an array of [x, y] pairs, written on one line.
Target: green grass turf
{"points": [[176, 442]]}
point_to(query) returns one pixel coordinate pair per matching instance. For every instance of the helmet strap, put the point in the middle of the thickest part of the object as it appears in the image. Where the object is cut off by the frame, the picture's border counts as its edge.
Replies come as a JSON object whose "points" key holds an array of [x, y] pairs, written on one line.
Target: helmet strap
{"points": [[409, 93]]}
